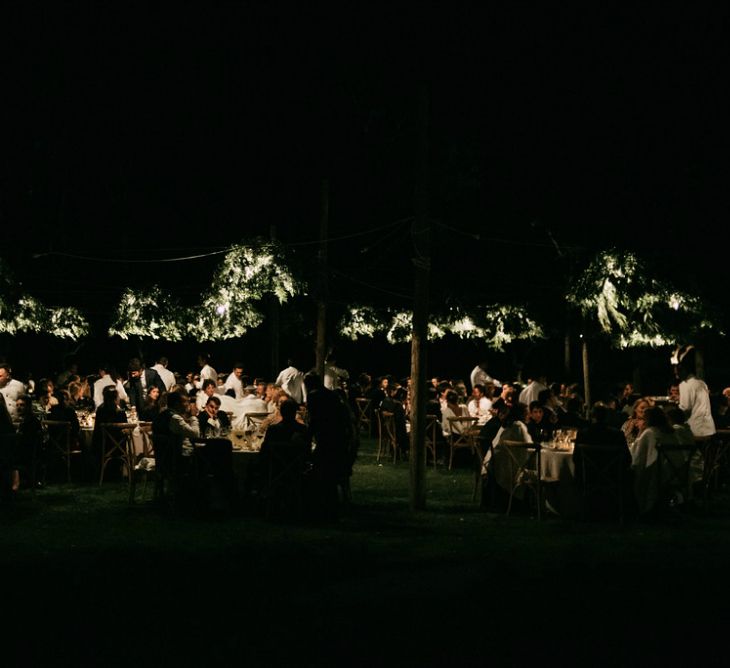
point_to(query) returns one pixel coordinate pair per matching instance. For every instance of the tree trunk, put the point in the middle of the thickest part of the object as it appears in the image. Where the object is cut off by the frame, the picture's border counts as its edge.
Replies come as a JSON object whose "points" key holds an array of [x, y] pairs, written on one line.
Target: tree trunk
{"points": [[321, 346], [422, 267], [274, 324], [586, 377]]}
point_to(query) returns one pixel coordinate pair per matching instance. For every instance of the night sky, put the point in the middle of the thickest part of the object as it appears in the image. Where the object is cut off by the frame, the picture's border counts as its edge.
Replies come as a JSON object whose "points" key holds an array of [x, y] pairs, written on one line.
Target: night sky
{"points": [[147, 133]]}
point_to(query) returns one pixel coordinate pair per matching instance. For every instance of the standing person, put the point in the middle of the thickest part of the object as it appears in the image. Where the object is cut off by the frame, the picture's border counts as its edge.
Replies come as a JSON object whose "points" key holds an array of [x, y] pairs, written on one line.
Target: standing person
{"points": [[140, 381], [532, 391], [235, 381], [330, 427], [694, 395], [10, 388], [207, 372], [291, 380], [108, 377], [334, 377], [480, 376], [168, 378]]}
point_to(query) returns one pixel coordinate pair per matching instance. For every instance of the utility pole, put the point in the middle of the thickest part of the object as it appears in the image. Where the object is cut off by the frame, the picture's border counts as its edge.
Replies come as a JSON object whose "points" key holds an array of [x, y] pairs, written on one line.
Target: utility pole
{"points": [[321, 346], [274, 322], [421, 233]]}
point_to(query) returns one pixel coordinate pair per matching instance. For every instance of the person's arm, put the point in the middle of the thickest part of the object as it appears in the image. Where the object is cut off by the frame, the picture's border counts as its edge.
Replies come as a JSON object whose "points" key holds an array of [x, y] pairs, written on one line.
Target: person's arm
{"points": [[179, 426]]}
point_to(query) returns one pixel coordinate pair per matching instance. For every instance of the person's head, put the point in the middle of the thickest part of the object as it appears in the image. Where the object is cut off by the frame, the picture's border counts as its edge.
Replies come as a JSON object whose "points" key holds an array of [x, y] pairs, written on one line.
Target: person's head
{"points": [[238, 370], [673, 392], [655, 417], [536, 411], [63, 398], [684, 361], [364, 380], [599, 413], [676, 416], [627, 390], [5, 374], [288, 411], [153, 393], [162, 361], [269, 394], [178, 403], [23, 407], [384, 382], [75, 390], [209, 387], [134, 367], [452, 398], [260, 388], [639, 409], [110, 396], [509, 395], [203, 359], [517, 413], [212, 406], [547, 398], [46, 386], [478, 391], [312, 381]]}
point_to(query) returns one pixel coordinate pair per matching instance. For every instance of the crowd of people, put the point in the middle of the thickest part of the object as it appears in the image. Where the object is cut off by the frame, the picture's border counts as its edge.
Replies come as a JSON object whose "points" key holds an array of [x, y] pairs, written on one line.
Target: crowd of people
{"points": [[202, 405]]}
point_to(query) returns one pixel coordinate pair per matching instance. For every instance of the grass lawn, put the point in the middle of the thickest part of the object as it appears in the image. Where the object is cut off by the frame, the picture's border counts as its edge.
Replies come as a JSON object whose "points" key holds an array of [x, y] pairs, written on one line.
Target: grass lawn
{"points": [[89, 580]]}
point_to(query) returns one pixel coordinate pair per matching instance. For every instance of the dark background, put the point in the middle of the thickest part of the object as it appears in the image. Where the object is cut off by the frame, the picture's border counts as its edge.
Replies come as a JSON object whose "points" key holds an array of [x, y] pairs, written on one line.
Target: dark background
{"points": [[147, 133]]}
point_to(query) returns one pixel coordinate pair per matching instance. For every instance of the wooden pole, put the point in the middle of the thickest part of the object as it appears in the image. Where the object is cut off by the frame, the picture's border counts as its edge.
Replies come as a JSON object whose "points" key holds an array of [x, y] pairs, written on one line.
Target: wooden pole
{"points": [[586, 376], [321, 345], [274, 323], [421, 266]]}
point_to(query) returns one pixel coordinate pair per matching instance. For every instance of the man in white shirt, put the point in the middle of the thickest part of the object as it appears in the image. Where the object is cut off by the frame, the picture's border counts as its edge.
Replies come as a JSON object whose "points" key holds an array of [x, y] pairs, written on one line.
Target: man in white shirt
{"points": [[10, 388], [233, 382], [479, 376], [106, 380], [532, 391], [168, 378], [291, 380], [207, 372], [208, 390], [694, 395], [479, 406]]}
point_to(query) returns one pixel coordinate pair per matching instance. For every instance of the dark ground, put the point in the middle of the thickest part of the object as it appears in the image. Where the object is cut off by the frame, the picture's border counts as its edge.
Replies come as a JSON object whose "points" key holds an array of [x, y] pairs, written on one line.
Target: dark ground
{"points": [[91, 581]]}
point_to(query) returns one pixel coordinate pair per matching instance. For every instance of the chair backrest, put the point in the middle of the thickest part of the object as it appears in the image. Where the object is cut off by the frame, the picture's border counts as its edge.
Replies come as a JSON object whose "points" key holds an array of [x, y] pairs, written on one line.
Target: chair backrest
{"points": [[674, 466], [522, 457], [461, 430], [363, 409], [601, 471], [116, 435], [286, 460], [386, 424], [254, 420]]}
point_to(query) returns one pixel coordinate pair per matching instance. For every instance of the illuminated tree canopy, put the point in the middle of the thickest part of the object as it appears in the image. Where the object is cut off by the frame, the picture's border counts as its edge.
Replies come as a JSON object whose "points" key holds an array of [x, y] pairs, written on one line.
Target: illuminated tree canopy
{"points": [[21, 313], [496, 325], [227, 309], [632, 307]]}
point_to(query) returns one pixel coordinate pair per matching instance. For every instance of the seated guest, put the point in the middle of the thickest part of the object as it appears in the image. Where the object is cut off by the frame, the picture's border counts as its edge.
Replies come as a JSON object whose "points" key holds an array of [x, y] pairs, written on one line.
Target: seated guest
{"points": [[287, 429], [45, 392], [636, 422], [9, 474], [62, 412], [513, 426], [573, 416], [260, 384], [538, 425], [271, 398], [452, 409], [644, 457], [394, 403], [212, 422], [151, 406], [602, 503], [108, 413], [209, 389], [30, 437], [480, 404]]}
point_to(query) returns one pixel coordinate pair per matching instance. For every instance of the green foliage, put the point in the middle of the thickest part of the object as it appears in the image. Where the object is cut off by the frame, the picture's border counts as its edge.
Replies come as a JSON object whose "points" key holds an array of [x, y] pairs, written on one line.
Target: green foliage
{"points": [[226, 310], [497, 325], [634, 308]]}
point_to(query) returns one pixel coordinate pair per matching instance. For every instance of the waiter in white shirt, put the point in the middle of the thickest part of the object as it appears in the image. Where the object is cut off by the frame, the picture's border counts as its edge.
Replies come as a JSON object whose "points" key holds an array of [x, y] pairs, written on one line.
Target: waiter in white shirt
{"points": [[235, 381], [168, 378]]}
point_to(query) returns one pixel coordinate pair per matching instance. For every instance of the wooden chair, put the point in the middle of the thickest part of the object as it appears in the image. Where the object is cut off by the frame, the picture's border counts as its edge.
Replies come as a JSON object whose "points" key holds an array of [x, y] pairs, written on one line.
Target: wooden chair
{"points": [[716, 461], [284, 463], [59, 439], [462, 434], [674, 463], [386, 434], [433, 424], [117, 443], [364, 418], [601, 476], [523, 460], [253, 421]]}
